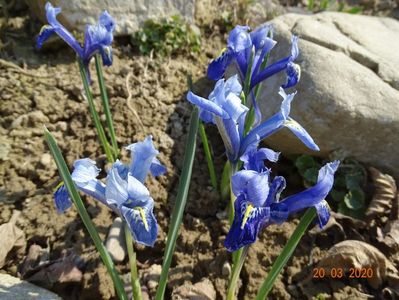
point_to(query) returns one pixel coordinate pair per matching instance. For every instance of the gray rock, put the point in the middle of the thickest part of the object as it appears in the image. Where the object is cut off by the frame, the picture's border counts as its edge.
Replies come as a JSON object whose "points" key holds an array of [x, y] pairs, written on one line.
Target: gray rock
{"points": [[203, 290], [128, 14], [115, 243], [12, 288], [348, 95]]}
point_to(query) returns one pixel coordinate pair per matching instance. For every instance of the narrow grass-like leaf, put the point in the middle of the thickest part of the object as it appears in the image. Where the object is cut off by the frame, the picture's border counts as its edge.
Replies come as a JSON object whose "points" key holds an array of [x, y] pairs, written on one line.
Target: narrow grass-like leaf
{"points": [[181, 199], [94, 114], [105, 101], [73, 193], [285, 255], [225, 181], [208, 155]]}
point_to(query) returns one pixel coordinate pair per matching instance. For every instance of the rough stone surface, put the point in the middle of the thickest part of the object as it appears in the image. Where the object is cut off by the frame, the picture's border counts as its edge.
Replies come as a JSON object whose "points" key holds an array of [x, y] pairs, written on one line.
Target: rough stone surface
{"points": [[129, 14], [12, 288], [348, 95], [115, 243]]}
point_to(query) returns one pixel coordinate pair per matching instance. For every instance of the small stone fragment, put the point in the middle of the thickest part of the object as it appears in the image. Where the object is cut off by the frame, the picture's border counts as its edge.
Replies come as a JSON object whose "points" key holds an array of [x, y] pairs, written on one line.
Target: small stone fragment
{"points": [[226, 269], [115, 243]]}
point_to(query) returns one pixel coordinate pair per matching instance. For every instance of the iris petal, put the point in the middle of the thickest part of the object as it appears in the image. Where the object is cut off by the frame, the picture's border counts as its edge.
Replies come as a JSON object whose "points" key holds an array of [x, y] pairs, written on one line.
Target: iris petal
{"points": [[323, 213], [301, 133], [157, 168], [258, 189], [84, 170], [61, 31], [240, 236], [142, 223], [61, 199], [239, 39], [293, 73], [142, 154], [240, 180], [136, 190], [218, 66], [85, 175], [116, 190], [44, 34], [315, 194], [277, 186], [207, 105]]}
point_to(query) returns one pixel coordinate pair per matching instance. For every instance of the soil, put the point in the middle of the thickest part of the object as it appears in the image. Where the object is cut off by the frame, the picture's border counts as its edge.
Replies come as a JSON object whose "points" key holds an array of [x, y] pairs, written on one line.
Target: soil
{"points": [[147, 97]]}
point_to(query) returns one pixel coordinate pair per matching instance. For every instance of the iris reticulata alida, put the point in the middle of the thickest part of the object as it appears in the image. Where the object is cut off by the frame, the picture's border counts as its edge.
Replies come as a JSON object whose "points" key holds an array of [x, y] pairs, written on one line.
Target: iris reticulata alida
{"points": [[224, 108], [258, 198], [97, 38], [123, 191], [250, 50]]}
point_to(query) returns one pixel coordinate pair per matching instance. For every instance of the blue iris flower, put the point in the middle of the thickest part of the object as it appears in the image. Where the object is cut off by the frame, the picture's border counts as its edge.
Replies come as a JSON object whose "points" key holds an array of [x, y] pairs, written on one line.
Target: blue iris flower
{"points": [[250, 50], [224, 108], [275, 123], [97, 39], [124, 191], [258, 201]]}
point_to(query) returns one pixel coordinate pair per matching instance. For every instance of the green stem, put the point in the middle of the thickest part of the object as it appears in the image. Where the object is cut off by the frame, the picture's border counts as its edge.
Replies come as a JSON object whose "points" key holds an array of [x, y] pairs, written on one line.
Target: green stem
{"points": [[105, 101], [236, 272], [285, 255], [180, 204], [248, 76], [93, 112], [208, 155], [73, 192], [136, 287]]}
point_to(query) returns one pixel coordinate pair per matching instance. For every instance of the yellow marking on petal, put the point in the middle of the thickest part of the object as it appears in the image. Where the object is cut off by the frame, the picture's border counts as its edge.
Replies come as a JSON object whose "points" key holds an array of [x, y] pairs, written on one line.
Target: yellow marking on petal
{"points": [[142, 215], [58, 186], [294, 124], [44, 28], [246, 215], [223, 51]]}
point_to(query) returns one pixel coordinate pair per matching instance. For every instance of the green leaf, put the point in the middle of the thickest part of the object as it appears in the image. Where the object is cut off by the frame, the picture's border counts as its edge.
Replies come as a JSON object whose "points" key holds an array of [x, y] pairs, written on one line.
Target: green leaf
{"points": [[208, 156], [311, 174], [305, 162], [105, 102], [180, 204], [339, 181], [75, 197], [337, 195], [355, 199], [353, 180], [354, 10], [225, 181]]}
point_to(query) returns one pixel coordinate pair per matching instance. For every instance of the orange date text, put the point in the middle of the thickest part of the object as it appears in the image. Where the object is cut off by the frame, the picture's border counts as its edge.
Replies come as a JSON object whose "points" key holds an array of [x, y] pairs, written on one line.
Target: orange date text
{"points": [[352, 273]]}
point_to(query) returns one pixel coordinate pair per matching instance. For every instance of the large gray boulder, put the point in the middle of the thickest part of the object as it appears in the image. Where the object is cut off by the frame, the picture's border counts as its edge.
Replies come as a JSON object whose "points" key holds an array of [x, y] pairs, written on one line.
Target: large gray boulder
{"points": [[348, 95], [12, 288], [128, 14]]}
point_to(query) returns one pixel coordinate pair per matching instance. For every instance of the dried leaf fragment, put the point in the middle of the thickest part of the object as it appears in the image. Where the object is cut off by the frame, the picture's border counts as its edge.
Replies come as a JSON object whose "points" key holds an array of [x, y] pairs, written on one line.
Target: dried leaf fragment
{"points": [[11, 238], [385, 192], [356, 254]]}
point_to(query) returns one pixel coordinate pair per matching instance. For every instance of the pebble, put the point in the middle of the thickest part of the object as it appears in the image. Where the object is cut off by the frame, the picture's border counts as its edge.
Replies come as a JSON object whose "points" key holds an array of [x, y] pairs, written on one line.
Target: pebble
{"points": [[226, 269], [115, 243], [46, 159]]}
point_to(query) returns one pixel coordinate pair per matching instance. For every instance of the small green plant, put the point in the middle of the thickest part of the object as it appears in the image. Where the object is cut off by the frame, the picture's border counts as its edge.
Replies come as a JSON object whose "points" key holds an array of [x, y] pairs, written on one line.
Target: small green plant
{"points": [[169, 36], [333, 5], [348, 190]]}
